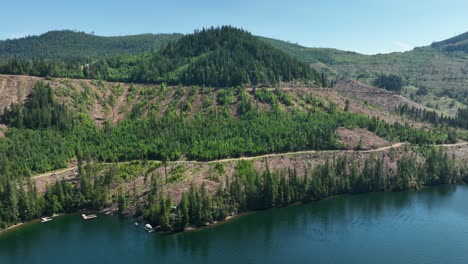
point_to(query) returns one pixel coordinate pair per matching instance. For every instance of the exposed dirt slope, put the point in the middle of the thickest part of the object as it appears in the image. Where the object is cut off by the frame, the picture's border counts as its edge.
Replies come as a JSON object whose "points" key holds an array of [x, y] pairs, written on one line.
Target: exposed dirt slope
{"points": [[360, 139], [14, 89], [372, 95], [116, 101], [376, 102]]}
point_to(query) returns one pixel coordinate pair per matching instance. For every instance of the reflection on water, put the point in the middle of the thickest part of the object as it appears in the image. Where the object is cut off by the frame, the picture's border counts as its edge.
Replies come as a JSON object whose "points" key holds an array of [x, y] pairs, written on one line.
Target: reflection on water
{"points": [[428, 226]]}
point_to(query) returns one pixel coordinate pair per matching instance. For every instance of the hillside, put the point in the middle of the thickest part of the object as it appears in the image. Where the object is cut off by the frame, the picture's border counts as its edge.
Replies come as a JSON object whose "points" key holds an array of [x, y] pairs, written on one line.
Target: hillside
{"points": [[312, 55], [267, 133], [219, 57], [435, 75], [115, 102], [187, 122], [457, 43], [68, 44], [158, 145], [432, 75]]}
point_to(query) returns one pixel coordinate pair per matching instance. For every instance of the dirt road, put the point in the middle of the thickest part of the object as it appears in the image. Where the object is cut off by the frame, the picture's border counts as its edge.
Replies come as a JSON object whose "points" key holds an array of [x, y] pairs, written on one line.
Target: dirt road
{"points": [[393, 146]]}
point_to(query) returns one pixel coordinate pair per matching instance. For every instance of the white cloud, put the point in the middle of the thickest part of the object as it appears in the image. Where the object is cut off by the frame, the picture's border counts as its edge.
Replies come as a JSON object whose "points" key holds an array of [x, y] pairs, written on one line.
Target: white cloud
{"points": [[16, 35], [402, 45]]}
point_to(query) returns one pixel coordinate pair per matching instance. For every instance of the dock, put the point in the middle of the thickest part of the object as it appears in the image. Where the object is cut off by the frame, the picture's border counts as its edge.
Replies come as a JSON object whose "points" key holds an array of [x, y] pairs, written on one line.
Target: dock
{"points": [[86, 217], [45, 219], [149, 228]]}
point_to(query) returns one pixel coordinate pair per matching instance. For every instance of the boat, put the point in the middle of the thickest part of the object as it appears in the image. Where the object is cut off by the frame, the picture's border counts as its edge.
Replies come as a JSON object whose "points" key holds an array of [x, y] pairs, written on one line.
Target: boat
{"points": [[86, 217], [45, 219], [149, 228], [136, 223]]}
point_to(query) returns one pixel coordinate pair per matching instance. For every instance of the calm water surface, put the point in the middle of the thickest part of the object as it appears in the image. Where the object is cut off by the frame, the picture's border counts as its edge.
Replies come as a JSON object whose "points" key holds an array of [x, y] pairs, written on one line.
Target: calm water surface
{"points": [[429, 226]]}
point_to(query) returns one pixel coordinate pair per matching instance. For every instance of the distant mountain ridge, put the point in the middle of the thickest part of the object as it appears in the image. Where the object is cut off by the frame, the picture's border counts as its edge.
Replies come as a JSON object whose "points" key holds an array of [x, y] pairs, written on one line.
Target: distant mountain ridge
{"points": [[67, 44], [457, 43], [441, 68], [431, 72], [218, 56]]}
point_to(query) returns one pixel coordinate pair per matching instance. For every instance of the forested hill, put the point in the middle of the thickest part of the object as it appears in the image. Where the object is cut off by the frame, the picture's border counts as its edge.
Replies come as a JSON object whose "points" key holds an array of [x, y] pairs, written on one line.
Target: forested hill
{"points": [[219, 57], [222, 56], [66, 44], [434, 75], [457, 43]]}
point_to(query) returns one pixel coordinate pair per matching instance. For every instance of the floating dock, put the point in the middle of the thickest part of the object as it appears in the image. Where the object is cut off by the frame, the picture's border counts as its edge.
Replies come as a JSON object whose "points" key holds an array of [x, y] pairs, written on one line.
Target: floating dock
{"points": [[149, 228], [45, 219], [86, 217]]}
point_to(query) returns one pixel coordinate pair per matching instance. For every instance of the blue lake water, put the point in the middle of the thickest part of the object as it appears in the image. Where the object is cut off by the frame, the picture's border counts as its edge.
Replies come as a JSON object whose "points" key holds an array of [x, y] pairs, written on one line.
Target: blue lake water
{"points": [[427, 226]]}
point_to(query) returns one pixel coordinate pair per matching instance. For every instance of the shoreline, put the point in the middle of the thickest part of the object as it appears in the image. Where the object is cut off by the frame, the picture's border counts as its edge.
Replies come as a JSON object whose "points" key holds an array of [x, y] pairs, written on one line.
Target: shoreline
{"points": [[10, 228], [216, 223], [235, 217], [32, 221], [110, 212]]}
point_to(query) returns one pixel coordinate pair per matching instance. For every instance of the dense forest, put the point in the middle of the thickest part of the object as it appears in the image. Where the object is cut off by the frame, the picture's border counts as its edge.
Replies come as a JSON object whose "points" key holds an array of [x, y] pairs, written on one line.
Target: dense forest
{"points": [[221, 57], [460, 120], [391, 82], [67, 45], [218, 57], [457, 43]]}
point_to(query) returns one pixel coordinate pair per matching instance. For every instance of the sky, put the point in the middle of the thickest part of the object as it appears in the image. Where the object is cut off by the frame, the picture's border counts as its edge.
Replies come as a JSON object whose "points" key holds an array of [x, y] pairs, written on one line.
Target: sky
{"points": [[364, 26]]}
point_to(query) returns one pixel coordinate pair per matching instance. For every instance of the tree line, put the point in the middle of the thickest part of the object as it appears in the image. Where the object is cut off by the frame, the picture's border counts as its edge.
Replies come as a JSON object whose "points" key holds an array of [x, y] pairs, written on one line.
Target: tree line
{"points": [[219, 57], [460, 120], [389, 82], [20, 200], [74, 45], [250, 189]]}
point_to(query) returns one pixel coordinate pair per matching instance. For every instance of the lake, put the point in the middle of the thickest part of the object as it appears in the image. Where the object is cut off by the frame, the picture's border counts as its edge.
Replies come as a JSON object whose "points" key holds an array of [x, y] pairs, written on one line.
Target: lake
{"points": [[427, 226]]}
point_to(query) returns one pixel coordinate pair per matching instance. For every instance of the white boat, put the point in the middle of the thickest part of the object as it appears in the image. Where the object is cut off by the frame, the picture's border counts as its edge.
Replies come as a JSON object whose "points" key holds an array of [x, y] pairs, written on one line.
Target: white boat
{"points": [[136, 223], [86, 217], [149, 228], [46, 219]]}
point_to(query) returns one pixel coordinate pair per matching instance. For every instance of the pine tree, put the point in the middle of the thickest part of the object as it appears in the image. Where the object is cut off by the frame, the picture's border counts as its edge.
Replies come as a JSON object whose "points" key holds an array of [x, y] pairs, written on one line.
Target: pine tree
{"points": [[183, 212], [121, 200]]}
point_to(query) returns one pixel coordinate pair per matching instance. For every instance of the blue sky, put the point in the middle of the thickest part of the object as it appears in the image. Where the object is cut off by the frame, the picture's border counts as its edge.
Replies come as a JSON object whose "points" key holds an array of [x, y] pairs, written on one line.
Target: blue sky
{"points": [[364, 26]]}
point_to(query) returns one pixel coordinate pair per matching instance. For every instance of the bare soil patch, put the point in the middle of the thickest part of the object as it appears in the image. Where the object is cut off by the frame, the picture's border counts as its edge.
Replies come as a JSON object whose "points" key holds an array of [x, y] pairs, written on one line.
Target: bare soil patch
{"points": [[375, 96], [15, 89], [359, 138]]}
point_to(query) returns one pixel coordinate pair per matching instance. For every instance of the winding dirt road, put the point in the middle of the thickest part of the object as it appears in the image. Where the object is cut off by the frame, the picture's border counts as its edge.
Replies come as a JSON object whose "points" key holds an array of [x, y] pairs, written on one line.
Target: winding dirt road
{"points": [[393, 146]]}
